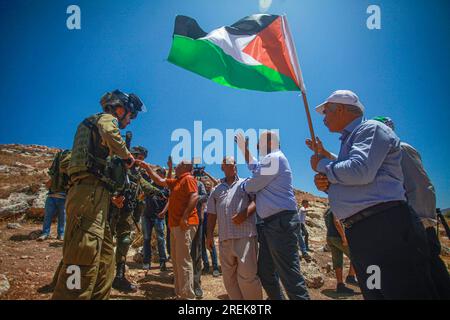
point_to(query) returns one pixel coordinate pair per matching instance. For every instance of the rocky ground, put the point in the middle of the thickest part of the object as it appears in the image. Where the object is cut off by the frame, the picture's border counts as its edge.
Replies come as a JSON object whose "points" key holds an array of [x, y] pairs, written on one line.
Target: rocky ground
{"points": [[26, 265]]}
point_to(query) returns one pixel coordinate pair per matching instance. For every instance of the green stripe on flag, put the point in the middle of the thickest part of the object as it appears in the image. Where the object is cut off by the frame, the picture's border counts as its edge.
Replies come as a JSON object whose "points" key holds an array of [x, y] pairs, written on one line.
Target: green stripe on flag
{"points": [[210, 61]]}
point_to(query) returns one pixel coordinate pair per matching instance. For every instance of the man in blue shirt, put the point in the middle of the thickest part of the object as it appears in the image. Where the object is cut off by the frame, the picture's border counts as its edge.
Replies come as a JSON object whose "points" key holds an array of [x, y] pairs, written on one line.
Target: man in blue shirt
{"points": [[365, 189], [271, 182], [421, 198]]}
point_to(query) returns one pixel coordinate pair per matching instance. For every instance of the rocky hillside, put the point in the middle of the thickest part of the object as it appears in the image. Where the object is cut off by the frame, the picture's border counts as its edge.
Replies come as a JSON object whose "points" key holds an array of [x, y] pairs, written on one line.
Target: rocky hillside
{"points": [[23, 173]]}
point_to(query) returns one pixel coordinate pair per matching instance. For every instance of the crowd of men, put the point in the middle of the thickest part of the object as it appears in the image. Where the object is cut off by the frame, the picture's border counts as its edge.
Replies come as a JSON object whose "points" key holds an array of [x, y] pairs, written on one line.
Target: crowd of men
{"points": [[382, 212]]}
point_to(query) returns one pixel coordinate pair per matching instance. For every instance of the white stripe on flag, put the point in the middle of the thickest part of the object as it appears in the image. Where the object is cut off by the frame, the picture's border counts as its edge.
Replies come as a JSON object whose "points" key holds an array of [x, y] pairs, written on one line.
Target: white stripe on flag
{"points": [[233, 45], [293, 53]]}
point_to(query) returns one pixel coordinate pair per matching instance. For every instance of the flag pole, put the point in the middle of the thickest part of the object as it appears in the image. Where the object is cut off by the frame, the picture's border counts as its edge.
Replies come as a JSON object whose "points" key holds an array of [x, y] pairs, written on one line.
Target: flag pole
{"points": [[299, 78], [308, 117]]}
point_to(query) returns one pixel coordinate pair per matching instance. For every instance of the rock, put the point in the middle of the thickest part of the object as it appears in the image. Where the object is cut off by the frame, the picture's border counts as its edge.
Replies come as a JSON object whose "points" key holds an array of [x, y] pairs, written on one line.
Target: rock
{"points": [[13, 226], [24, 257], [329, 267], [4, 284], [138, 257], [312, 274], [15, 203], [445, 251], [33, 235], [38, 204]]}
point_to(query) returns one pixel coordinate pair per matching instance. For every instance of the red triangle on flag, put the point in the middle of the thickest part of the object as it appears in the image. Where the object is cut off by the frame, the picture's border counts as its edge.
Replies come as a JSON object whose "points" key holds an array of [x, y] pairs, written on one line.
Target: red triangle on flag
{"points": [[269, 48]]}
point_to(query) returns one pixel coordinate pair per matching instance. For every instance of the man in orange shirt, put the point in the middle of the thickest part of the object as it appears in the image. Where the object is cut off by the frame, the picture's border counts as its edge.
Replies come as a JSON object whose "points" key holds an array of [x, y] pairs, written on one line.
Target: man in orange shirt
{"points": [[183, 223]]}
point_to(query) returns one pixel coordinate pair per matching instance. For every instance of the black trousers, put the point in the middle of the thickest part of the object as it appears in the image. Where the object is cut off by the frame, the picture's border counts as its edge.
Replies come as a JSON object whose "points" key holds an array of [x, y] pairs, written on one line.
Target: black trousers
{"points": [[394, 242], [439, 271], [196, 255]]}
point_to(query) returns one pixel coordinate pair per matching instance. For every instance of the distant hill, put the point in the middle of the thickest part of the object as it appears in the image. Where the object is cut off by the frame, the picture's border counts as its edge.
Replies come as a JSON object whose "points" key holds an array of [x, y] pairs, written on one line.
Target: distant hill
{"points": [[446, 212]]}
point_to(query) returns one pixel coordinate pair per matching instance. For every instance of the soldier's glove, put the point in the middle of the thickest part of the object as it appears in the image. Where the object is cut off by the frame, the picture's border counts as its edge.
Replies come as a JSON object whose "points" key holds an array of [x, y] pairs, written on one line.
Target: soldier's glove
{"points": [[118, 201]]}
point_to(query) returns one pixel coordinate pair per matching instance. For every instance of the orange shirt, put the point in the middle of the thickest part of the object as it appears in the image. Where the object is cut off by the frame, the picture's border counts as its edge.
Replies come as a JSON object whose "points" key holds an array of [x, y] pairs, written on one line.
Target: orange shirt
{"points": [[180, 191]]}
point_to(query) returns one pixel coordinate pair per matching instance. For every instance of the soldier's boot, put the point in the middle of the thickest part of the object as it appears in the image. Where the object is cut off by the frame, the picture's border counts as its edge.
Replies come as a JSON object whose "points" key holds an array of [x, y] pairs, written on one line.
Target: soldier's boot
{"points": [[120, 282]]}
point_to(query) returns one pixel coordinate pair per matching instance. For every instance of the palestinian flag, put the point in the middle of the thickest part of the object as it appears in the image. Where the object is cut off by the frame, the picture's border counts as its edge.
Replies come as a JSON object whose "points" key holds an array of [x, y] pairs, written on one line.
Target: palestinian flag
{"points": [[255, 53]]}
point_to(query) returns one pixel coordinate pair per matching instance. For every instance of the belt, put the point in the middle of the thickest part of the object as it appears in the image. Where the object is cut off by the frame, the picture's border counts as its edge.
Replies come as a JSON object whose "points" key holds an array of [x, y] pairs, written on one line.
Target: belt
{"points": [[278, 215], [371, 211]]}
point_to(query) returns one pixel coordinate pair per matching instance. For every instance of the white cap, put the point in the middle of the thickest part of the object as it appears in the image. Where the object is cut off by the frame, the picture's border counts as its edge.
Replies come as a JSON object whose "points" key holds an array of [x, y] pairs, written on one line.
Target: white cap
{"points": [[342, 97]]}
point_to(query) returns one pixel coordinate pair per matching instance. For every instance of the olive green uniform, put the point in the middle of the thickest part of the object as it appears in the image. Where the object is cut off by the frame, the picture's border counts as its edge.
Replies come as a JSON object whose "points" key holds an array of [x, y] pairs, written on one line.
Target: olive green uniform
{"points": [[88, 245], [122, 221]]}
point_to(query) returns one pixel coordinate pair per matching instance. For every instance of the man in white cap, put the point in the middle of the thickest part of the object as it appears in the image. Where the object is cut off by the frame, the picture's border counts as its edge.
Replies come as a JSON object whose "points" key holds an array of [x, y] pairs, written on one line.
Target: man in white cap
{"points": [[365, 189]]}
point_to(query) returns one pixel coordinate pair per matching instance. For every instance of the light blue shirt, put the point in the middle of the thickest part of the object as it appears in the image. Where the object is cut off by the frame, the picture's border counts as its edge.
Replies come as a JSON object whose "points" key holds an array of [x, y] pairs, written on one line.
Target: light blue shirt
{"points": [[367, 170], [271, 182]]}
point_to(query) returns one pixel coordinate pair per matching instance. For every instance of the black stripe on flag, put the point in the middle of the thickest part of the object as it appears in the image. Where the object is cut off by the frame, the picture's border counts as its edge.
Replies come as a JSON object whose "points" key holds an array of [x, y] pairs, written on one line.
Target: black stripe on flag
{"points": [[251, 25], [188, 27]]}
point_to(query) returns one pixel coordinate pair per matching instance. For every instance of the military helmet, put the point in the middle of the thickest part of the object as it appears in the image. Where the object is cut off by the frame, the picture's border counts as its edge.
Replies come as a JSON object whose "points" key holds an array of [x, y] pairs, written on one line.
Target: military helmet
{"points": [[131, 102], [139, 150]]}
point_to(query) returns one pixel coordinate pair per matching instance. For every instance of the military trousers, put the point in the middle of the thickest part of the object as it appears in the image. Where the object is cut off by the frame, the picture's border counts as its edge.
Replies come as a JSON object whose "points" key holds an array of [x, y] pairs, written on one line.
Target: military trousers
{"points": [[121, 226], [87, 270]]}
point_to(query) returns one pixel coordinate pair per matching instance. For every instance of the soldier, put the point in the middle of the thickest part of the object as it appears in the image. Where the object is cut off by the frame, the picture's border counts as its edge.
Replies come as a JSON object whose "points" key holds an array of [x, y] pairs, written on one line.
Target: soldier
{"points": [[88, 266], [132, 208]]}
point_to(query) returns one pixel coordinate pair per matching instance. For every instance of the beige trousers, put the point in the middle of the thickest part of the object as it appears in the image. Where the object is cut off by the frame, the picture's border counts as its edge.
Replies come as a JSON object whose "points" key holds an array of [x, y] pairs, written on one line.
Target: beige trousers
{"points": [[183, 269], [238, 258]]}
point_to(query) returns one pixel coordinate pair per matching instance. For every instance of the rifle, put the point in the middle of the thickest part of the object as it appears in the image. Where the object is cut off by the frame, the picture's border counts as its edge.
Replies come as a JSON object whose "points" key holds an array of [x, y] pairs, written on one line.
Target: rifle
{"points": [[441, 218], [130, 196]]}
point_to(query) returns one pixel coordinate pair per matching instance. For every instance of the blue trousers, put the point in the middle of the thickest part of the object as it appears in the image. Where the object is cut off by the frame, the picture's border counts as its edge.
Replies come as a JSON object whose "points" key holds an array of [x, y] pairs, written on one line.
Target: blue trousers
{"points": [[279, 258], [54, 206], [301, 242], [147, 227]]}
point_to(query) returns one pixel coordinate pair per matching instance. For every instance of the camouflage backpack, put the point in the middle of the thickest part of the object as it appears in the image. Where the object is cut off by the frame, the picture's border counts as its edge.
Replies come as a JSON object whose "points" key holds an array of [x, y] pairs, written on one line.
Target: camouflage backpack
{"points": [[58, 171]]}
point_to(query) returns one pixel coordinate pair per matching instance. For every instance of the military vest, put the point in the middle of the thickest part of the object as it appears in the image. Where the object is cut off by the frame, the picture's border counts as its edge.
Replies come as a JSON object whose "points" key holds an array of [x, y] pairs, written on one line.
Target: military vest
{"points": [[88, 152]]}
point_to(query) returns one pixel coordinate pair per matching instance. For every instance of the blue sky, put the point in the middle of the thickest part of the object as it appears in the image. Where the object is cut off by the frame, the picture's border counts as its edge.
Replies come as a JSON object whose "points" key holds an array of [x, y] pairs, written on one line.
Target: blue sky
{"points": [[53, 77]]}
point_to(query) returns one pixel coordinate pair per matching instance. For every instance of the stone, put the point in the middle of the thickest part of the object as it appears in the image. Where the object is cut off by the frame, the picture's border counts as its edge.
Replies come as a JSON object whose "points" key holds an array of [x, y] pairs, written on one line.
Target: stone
{"points": [[312, 274], [4, 284], [33, 235], [329, 267], [13, 226], [138, 257]]}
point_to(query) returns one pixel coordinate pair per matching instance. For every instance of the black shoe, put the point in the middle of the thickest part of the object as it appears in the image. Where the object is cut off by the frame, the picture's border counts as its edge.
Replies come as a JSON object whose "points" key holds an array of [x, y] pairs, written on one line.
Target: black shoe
{"points": [[351, 280], [48, 288], [198, 293], [120, 282], [123, 285], [307, 257], [205, 270], [342, 289], [162, 267]]}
